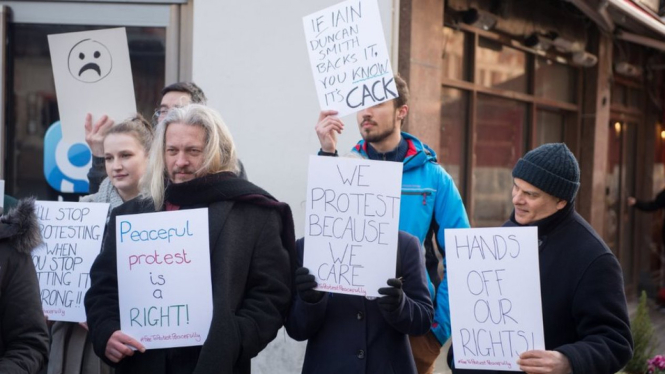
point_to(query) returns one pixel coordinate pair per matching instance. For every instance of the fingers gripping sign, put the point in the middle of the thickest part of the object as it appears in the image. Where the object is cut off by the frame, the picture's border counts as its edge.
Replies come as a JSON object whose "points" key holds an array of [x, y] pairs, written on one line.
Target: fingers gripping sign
{"points": [[548, 362], [121, 345], [327, 128]]}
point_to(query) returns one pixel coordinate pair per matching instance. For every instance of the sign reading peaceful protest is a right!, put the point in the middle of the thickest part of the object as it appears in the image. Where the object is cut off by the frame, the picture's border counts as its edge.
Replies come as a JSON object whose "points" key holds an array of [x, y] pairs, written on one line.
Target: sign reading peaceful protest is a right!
{"points": [[164, 283], [349, 58], [352, 223], [495, 302]]}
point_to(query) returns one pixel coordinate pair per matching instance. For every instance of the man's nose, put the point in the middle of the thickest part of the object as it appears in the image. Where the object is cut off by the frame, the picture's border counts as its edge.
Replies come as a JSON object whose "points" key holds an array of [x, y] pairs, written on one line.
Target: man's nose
{"points": [[182, 160]]}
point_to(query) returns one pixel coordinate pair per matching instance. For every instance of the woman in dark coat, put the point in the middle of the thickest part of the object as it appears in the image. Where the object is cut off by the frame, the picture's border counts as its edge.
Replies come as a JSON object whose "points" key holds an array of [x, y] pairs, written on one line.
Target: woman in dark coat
{"points": [[24, 339]]}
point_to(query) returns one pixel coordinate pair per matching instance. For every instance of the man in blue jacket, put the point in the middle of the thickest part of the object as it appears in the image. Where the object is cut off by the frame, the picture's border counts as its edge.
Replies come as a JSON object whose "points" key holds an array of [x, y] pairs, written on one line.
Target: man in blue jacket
{"points": [[430, 201]]}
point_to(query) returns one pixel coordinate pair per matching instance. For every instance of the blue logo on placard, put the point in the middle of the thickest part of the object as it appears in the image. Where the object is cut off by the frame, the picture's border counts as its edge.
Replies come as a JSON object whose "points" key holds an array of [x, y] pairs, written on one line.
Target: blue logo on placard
{"points": [[66, 165]]}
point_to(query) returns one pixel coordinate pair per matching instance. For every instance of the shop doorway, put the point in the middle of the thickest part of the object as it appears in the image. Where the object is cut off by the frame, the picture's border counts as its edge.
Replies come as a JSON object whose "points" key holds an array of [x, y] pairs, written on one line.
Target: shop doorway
{"points": [[619, 185]]}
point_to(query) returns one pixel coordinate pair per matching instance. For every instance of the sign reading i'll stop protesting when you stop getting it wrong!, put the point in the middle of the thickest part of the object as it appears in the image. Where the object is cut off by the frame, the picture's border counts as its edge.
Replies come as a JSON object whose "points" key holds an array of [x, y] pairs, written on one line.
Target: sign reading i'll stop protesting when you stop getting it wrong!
{"points": [[349, 58]]}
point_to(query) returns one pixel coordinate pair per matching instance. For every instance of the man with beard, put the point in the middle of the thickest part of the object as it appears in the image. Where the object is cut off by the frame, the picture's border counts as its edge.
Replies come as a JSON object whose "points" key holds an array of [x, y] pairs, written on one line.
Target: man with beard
{"points": [[429, 204], [192, 165]]}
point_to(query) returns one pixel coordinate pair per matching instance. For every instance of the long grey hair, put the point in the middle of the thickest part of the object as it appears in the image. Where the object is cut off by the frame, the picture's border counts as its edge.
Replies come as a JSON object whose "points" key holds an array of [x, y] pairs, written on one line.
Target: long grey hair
{"points": [[219, 152]]}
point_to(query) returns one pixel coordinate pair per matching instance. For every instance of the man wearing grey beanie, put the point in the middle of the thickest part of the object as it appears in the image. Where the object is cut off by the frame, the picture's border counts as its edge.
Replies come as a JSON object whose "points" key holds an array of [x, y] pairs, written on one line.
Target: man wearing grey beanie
{"points": [[585, 317]]}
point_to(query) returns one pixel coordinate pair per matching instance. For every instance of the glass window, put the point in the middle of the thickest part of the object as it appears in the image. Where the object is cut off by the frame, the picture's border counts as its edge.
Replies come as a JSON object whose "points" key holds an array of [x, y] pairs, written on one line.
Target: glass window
{"points": [[454, 59], [33, 102], [549, 127], [454, 104], [554, 81], [619, 94], [499, 66], [499, 136]]}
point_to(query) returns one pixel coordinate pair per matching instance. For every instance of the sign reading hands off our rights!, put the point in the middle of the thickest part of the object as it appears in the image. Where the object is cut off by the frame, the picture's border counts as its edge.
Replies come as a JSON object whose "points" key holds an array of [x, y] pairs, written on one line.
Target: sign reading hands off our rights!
{"points": [[164, 283], [495, 301], [92, 74], [352, 223], [72, 234], [349, 58]]}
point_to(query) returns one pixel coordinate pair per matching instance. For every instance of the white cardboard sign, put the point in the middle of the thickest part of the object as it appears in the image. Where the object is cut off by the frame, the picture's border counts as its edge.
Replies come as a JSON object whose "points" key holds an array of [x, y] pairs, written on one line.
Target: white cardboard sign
{"points": [[164, 282], [72, 234], [349, 58], [92, 74], [352, 220], [495, 301]]}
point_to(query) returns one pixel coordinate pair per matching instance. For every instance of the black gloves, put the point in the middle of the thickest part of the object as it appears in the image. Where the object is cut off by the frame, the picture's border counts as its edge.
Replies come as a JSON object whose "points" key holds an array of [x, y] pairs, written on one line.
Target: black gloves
{"points": [[393, 295], [305, 283]]}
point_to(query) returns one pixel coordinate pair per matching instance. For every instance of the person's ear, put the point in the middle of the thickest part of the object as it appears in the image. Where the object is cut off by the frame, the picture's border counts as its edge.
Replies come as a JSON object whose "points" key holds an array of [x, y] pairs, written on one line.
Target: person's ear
{"points": [[561, 204], [402, 112]]}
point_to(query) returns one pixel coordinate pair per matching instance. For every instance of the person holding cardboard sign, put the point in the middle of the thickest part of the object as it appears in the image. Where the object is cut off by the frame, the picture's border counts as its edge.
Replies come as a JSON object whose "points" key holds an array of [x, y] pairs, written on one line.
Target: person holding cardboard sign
{"points": [[351, 334], [429, 204], [193, 165], [585, 317], [126, 148]]}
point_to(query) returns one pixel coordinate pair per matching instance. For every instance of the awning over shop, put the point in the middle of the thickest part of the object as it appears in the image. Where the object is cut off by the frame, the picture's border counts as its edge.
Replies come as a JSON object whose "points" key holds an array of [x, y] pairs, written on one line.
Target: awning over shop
{"points": [[626, 20]]}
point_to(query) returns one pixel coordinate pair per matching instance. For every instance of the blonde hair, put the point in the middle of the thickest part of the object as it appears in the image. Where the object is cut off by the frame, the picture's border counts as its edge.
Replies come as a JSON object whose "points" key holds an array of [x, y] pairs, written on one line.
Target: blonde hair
{"points": [[219, 152], [137, 127]]}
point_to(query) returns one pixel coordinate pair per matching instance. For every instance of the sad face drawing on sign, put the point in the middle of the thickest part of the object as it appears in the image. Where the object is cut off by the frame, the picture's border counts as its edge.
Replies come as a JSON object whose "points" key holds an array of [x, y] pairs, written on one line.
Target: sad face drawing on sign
{"points": [[89, 61]]}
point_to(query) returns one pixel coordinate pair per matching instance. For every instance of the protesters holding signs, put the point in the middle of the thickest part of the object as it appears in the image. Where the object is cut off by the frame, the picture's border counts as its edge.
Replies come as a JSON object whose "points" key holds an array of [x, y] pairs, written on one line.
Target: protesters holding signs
{"points": [[24, 340], [430, 201], [251, 241], [351, 334], [585, 317], [126, 148]]}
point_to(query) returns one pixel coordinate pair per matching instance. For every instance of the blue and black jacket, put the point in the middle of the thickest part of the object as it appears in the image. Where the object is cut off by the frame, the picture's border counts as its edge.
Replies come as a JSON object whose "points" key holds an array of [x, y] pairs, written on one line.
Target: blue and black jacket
{"points": [[430, 204]]}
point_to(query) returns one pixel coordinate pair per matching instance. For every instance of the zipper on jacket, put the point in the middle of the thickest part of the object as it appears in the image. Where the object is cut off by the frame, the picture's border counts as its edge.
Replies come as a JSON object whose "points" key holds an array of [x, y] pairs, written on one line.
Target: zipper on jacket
{"points": [[424, 194]]}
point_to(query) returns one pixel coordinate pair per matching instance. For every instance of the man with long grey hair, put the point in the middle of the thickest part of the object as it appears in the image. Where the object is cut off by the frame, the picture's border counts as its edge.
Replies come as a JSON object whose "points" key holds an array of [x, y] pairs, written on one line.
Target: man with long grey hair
{"points": [[193, 165]]}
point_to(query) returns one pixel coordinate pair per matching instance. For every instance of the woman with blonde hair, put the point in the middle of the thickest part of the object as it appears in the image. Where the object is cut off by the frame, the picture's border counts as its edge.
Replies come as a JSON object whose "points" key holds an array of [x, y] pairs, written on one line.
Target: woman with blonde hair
{"points": [[126, 150]]}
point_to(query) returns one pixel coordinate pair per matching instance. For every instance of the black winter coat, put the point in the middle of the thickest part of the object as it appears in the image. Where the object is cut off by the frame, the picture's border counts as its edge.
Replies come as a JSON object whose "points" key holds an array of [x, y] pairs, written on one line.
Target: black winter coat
{"points": [[24, 338], [250, 238], [352, 335]]}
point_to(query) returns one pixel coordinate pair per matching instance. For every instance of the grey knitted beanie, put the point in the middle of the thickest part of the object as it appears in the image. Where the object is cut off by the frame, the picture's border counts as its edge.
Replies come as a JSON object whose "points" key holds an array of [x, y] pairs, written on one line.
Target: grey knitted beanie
{"points": [[552, 168]]}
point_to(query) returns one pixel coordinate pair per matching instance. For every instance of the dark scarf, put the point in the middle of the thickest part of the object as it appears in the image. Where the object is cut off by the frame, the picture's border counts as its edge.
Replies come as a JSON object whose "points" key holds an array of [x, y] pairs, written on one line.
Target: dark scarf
{"points": [[398, 154], [227, 186]]}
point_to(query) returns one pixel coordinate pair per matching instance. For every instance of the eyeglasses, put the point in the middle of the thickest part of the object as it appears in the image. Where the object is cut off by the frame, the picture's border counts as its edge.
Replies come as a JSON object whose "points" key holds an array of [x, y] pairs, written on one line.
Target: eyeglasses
{"points": [[160, 112]]}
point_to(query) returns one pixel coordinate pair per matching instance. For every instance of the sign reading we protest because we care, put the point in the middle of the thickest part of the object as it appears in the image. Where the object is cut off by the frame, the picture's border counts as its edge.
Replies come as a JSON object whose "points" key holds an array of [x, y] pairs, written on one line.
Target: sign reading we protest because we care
{"points": [[349, 58], [72, 234], [352, 223], [495, 301], [164, 283]]}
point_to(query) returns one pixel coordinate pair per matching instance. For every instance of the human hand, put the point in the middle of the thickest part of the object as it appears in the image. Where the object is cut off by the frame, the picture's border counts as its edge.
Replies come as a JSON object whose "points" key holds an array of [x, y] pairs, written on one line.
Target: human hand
{"points": [[305, 283], [84, 325], [327, 128], [94, 134], [548, 362], [631, 201], [118, 348], [393, 295]]}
